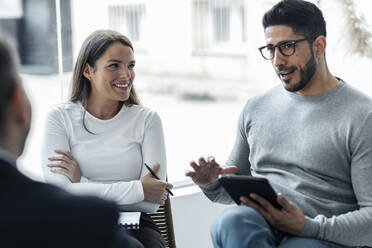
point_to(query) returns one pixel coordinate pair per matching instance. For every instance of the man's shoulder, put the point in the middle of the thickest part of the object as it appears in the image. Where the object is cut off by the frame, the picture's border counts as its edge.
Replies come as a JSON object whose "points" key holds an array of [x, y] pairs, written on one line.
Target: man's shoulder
{"points": [[22, 196], [50, 198], [353, 103], [353, 94], [37, 214]]}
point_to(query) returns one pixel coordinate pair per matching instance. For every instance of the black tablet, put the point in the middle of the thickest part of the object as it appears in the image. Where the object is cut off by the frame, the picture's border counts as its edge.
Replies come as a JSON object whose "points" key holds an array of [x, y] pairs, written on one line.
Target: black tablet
{"points": [[237, 186]]}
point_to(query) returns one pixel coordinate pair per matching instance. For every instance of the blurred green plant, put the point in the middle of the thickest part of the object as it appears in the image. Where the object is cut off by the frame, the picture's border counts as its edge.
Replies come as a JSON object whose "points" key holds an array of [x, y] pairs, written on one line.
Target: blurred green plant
{"points": [[196, 96]]}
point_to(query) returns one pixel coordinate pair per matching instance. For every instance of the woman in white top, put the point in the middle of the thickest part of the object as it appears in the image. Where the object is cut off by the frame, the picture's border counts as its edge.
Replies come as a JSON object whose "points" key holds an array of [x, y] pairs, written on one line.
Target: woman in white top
{"points": [[98, 142]]}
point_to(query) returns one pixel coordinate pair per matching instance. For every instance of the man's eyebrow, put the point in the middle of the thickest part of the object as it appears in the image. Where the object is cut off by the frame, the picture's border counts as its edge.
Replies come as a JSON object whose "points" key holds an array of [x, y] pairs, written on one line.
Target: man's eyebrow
{"points": [[280, 42], [285, 41]]}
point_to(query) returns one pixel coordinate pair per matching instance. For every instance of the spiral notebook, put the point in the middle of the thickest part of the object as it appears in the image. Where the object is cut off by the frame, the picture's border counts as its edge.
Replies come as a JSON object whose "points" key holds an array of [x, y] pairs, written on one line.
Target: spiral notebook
{"points": [[129, 220]]}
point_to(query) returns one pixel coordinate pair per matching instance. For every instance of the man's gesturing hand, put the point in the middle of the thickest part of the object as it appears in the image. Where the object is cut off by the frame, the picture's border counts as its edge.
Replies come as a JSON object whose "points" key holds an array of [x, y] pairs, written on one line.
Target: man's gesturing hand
{"points": [[290, 219], [207, 171]]}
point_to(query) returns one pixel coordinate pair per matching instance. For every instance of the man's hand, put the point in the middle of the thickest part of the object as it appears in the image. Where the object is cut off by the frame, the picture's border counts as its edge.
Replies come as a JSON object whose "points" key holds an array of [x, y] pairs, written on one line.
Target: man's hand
{"points": [[290, 219], [207, 171]]}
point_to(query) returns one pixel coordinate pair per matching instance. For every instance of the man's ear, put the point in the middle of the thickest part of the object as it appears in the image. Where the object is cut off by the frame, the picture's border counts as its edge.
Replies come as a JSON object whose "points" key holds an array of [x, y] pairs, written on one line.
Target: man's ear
{"points": [[319, 46], [20, 106], [88, 70]]}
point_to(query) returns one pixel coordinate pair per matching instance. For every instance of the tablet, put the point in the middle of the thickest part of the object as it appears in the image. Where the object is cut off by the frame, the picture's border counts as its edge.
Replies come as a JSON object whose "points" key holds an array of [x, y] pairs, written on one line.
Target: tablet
{"points": [[238, 185]]}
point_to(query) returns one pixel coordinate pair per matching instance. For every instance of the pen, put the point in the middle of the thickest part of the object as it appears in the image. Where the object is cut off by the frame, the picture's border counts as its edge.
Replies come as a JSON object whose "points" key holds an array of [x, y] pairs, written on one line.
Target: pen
{"points": [[154, 175]]}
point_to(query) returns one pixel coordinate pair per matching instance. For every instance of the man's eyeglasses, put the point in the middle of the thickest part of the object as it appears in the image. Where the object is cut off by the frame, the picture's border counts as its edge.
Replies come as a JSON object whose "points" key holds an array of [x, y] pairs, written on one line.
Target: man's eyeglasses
{"points": [[286, 48]]}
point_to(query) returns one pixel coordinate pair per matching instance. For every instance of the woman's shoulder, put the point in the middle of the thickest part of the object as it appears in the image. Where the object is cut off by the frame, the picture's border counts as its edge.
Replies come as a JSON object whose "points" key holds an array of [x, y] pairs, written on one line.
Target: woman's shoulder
{"points": [[144, 114], [141, 111], [64, 108]]}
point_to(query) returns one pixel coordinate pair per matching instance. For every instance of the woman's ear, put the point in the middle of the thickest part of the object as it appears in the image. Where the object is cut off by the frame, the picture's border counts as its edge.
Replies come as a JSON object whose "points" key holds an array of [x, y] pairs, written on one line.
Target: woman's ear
{"points": [[319, 46], [87, 72]]}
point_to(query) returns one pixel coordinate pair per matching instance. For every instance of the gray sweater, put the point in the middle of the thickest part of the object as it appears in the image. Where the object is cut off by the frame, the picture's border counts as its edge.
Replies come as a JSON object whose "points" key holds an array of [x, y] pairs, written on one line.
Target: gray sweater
{"points": [[316, 151]]}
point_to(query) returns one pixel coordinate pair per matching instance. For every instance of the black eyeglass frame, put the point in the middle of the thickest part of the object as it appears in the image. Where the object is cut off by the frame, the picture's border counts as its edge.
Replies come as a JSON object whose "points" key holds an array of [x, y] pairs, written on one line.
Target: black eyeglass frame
{"points": [[291, 42]]}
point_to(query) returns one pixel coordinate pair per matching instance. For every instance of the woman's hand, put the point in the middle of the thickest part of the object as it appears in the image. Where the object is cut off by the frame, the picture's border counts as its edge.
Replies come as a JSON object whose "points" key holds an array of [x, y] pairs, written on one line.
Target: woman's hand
{"points": [[65, 165], [154, 189]]}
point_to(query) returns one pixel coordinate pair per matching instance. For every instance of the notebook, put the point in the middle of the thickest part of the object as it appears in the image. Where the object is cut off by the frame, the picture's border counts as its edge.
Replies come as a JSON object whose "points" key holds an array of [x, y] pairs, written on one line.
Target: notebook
{"points": [[129, 220]]}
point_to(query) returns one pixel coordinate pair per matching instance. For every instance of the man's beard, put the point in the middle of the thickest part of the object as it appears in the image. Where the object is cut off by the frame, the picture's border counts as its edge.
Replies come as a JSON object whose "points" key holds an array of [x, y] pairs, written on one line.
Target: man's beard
{"points": [[306, 75]]}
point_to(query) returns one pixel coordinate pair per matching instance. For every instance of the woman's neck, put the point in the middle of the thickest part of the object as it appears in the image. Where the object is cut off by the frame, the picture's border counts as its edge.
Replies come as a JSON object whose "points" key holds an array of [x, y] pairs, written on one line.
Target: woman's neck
{"points": [[103, 110]]}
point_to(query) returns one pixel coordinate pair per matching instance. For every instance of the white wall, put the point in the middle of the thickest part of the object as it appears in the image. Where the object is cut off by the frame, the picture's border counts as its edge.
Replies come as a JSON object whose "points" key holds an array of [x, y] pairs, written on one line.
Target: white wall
{"points": [[193, 215]]}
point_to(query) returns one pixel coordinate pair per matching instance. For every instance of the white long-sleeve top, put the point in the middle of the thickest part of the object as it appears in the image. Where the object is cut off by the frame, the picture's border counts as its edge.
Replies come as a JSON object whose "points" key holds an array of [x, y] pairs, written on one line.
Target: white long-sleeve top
{"points": [[111, 160]]}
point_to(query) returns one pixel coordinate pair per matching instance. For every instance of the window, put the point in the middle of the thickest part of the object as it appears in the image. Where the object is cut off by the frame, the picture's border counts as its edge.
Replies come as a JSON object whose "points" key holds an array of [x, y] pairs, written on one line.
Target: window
{"points": [[128, 19], [219, 27], [221, 24], [244, 23]]}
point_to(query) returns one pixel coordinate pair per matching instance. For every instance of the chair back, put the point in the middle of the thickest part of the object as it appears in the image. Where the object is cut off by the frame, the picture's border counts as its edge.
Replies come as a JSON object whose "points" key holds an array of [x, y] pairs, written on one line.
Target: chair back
{"points": [[164, 221]]}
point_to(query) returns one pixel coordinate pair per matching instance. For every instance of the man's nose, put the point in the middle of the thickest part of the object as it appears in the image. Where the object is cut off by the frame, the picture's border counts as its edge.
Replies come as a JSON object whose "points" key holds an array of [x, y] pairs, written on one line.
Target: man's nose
{"points": [[278, 58]]}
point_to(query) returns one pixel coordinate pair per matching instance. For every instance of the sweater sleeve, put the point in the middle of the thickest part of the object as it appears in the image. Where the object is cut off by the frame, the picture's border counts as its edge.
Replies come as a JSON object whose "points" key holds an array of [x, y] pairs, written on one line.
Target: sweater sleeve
{"points": [[56, 135], [353, 228], [153, 151]]}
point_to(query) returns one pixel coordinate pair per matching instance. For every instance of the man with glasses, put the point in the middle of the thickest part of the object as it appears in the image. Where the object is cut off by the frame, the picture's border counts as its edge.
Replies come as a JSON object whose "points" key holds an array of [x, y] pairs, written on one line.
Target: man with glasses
{"points": [[311, 138]]}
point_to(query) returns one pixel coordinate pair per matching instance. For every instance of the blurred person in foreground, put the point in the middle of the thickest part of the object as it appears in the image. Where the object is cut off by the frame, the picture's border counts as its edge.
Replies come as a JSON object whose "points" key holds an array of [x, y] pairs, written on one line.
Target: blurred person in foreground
{"points": [[34, 214], [311, 138]]}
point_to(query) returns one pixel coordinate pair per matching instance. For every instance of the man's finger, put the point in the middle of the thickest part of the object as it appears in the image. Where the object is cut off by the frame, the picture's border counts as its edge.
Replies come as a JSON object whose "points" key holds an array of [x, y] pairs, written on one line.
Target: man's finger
{"points": [[211, 159], [212, 162], [272, 211], [189, 173], [246, 201], [284, 202], [194, 165], [202, 161], [262, 201]]}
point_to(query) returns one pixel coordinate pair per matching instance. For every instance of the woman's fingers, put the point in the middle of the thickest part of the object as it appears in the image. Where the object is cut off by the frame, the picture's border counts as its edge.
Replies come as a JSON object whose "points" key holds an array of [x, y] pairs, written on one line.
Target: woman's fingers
{"points": [[168, 185], [61, 159], [61, 171], [63, 152], [60, 165]]}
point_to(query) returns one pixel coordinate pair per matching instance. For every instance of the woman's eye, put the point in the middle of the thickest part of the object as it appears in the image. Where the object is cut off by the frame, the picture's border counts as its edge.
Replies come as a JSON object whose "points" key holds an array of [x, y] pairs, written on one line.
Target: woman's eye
{"points": [[113, 66], [131, 66]]}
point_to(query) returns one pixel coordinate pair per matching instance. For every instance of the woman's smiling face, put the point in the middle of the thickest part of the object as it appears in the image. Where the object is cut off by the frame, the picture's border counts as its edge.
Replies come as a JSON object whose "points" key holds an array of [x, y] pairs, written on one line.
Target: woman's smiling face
{"points": [[113, 74]]}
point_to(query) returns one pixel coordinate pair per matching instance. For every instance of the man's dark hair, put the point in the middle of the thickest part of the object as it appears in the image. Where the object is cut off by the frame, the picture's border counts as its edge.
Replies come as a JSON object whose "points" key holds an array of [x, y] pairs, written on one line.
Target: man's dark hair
{"points": [[303, 17], [8, 78]]}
